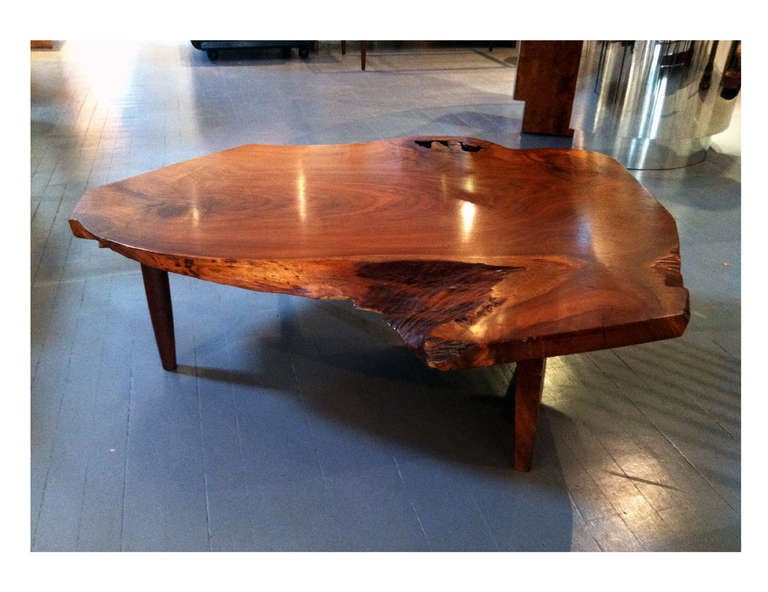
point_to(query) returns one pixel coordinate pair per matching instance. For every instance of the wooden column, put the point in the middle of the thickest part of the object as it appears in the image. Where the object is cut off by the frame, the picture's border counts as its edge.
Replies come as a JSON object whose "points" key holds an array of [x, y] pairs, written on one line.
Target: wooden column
{"points": [[526, 387], [158, 292], [546, 81]]}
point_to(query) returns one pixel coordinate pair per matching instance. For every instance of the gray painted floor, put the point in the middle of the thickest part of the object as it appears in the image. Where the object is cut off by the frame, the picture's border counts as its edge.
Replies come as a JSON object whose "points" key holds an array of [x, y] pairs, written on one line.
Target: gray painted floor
{"points": [[299, 425]]}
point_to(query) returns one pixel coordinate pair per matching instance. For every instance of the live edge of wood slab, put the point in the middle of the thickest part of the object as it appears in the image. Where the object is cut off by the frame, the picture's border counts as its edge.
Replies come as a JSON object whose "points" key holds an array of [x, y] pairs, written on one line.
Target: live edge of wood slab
{"points": [[475, 253]]}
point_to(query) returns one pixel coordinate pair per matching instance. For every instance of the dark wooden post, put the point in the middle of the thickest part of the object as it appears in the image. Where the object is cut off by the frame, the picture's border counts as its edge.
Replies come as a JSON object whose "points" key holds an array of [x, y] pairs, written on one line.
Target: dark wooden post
{"points": [[546, 81]]}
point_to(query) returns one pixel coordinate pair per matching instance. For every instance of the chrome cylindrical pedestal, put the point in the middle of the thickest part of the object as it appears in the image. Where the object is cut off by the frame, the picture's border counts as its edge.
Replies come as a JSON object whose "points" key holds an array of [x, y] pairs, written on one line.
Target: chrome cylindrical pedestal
{"points": [[654, 104]]}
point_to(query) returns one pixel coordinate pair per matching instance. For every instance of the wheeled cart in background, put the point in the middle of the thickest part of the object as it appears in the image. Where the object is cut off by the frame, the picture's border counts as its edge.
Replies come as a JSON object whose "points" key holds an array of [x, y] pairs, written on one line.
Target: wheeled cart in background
{"points": [[212, 48]]}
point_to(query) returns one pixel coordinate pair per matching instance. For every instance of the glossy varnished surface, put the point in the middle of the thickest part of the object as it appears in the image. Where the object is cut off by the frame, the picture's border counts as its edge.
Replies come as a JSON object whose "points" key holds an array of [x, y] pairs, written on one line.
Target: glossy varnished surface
{"points": [[476, 254], [638, 448]]}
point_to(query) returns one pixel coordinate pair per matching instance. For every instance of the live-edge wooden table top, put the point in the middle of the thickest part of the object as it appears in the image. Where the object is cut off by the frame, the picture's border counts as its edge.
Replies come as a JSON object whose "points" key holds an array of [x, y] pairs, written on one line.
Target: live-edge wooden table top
{"points": [[475, 253]]}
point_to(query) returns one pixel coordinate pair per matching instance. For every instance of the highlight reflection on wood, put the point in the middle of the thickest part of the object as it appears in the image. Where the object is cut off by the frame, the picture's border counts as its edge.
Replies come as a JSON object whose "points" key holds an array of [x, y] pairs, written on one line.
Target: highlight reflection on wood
{"points": [[475, 253]]}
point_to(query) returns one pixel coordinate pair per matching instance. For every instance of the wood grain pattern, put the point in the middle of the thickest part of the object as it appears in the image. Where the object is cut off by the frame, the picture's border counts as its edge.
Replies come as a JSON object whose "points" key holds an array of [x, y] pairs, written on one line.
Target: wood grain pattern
{"points": [[546, 81], [476, 254]]}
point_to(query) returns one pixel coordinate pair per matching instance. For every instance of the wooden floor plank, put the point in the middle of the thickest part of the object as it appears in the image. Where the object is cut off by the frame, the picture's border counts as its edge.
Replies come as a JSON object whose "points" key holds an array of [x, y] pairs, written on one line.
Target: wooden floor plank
{"points": [[165, 503], [65, 474], [229, 498], [47, 376], [101, 516]]}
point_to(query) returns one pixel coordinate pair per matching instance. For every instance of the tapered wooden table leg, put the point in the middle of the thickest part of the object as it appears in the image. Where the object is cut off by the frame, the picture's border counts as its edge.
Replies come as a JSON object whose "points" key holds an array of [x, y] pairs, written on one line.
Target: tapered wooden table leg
{"points": [[526, 387], [158, 292]]}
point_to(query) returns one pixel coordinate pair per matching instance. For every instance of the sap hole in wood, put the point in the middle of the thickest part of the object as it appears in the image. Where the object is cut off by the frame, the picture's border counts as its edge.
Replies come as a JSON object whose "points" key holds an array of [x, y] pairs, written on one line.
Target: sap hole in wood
{"points": [[448, 144]]}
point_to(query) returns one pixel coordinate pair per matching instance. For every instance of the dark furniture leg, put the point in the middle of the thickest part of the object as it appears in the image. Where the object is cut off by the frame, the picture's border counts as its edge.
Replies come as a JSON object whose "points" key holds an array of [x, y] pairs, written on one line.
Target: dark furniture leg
{"points": [[158, 292], [526, 388]]}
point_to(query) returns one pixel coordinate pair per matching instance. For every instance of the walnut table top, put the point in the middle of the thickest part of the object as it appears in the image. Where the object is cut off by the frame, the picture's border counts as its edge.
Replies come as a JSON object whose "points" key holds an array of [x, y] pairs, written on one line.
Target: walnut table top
{"points": [[475, 253]]}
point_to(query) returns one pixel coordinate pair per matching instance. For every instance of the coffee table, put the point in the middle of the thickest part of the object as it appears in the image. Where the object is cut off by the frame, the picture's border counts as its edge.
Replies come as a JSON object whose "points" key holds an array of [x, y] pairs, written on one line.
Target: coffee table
{"points": [[476, 254]]}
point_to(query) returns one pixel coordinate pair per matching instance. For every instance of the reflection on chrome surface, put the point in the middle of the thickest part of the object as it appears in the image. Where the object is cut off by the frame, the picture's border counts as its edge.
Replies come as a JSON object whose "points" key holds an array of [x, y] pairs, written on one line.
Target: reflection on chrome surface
{"points": [[655, 104]]}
